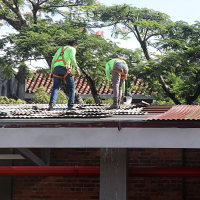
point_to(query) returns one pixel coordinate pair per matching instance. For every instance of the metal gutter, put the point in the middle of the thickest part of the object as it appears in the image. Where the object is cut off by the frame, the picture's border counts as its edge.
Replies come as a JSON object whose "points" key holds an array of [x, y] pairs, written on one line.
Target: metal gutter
{"points": [[96, 123]]}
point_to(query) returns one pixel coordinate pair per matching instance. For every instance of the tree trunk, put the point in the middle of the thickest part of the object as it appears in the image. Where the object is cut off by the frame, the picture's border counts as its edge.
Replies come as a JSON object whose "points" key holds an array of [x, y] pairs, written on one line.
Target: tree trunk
{"points": [[48, 60], [160, 78], [172, 96], [145, 50], [95, 93], [66, 91], [190, 99]]}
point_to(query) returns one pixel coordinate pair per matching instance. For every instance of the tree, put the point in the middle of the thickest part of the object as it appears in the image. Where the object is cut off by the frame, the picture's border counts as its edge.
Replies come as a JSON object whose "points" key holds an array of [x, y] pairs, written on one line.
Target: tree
{"points": [[145, 24], [174, 72], [38, 37], [178, 63], [11, 12], [43, 40]]}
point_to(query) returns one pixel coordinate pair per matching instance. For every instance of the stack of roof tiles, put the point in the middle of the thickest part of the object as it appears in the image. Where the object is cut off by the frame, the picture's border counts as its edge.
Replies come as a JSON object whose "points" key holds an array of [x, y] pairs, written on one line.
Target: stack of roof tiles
{"points": [[61, 111], [81, 83]]}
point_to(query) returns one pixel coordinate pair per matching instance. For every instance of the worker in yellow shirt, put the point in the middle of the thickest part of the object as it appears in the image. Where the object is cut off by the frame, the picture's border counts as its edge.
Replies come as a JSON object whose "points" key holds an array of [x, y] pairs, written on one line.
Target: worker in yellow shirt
{"points": [[61, 69], [116, 73]]}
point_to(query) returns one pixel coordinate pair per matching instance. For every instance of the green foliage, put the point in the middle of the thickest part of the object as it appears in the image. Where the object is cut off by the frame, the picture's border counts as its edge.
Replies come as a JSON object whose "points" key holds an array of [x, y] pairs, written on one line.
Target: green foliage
{"points": [[108, 101], [197, 101], [40, 36], [20, 101], [22, 66], [6, 100], [166, 101], [61, 99], [24, 14], [178, 64], [36, 11], [92, 54], [174, 72], [89, 100], [40, 96], [144, 23]]}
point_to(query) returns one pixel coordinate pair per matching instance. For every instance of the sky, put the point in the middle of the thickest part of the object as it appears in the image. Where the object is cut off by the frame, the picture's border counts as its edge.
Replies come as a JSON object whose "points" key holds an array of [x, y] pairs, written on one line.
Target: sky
{"points": [[184, 10]]}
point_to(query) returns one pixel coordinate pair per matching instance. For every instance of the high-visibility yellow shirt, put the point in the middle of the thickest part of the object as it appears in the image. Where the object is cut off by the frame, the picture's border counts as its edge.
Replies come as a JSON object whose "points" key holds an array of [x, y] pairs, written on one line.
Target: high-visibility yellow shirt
{"points": [[109, 68], [69, 56]]}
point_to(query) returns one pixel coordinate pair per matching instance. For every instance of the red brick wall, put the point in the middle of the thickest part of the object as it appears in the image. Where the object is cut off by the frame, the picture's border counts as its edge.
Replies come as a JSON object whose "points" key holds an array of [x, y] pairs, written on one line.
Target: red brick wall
{"points": [[151, 188], [191, 158], [60, 188], [140, 188]]}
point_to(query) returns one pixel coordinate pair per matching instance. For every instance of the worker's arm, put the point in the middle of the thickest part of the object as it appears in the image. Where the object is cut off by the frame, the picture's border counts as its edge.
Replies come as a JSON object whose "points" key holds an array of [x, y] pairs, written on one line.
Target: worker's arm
{"points": [[73, 61], [123, 87], [72, 57], [107, 69]]}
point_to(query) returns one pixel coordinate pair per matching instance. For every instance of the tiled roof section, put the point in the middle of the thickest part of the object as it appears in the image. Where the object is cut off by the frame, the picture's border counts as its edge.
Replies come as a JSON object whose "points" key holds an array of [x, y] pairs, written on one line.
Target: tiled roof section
{"points": [[179, 112], [39, 81], [81, 85], [138, 85]]}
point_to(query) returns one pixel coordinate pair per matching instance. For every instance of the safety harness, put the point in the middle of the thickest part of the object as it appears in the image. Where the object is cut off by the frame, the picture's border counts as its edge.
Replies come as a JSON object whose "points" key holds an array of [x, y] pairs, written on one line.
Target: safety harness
{"points": [[121, 74], [62, 59]]}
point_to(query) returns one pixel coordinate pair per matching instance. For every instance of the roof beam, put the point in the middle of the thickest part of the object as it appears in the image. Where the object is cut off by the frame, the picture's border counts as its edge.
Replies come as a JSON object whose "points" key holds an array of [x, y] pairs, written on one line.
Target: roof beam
{"points": [[30, 156], [11, 157], [95, 137], [45, 153]]}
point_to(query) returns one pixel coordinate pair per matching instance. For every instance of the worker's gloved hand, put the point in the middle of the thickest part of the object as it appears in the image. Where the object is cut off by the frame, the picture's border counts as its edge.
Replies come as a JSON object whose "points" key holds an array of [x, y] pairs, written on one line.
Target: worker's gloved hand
{"points": [[110, 85]]}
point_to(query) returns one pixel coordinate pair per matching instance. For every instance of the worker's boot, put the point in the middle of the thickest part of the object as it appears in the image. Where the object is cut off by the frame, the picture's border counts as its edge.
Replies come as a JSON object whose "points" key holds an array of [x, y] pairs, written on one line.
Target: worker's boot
{"points": [[120, 103], [50, 107], [115, 104]]}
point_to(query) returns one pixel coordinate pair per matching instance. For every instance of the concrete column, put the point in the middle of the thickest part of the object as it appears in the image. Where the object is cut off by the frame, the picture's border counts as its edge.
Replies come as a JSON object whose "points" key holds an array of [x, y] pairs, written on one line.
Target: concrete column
{"points": [[6, 182], [114, 174], [21, 84]]}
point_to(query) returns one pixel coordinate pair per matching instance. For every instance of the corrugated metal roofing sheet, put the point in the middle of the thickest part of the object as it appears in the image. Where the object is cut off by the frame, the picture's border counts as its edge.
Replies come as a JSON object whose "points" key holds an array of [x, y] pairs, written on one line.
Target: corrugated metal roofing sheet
{"points": [[157, 108], [179, 112]]}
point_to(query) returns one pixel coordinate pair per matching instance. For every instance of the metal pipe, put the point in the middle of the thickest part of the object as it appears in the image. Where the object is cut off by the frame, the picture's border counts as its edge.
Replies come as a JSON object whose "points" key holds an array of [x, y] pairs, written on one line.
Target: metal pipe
{"points": [[81, 171], [75, 171]]}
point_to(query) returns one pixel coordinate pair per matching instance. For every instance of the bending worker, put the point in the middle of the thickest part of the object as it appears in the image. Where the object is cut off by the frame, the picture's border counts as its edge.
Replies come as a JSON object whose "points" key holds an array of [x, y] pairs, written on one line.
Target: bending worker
{"points": [[119, 71], [60, 68]]}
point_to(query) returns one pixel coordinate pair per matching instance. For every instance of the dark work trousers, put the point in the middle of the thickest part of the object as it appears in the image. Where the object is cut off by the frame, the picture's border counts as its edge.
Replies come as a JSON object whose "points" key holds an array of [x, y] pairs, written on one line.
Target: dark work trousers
{"points": [[61, 71], [116, 81]]}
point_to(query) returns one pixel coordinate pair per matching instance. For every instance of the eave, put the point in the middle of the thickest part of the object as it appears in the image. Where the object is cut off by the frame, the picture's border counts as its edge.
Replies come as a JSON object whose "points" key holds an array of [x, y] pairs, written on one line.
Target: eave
{"points": [[115, 132]]}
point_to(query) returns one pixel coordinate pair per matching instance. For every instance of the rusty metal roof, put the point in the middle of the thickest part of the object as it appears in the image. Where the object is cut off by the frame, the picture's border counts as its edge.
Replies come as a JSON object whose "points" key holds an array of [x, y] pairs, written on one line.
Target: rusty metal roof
{"points": [[157, 108], [179, 112]]}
